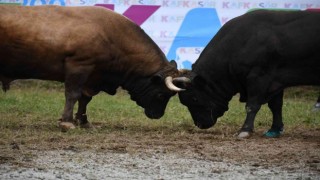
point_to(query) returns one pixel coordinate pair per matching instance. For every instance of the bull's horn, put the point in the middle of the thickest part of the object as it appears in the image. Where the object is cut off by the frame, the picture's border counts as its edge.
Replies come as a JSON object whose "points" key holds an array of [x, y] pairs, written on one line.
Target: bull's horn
{"points": [[171, 86], [182, 79]]}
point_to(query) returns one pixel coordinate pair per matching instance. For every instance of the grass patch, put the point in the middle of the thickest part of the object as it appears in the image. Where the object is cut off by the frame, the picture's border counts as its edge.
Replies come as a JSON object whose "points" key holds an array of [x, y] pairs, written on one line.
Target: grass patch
{"points": [[29, 114]]}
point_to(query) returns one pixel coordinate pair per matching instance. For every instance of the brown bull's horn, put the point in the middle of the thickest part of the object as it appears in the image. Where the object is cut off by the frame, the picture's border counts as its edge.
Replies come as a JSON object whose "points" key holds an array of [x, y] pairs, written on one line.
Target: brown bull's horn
{"points": [[182, 79], [171, 86]]}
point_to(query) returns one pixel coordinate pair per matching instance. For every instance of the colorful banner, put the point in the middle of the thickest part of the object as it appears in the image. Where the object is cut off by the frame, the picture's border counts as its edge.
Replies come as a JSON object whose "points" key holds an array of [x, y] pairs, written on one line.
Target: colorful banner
{"points": [[181, 28]]}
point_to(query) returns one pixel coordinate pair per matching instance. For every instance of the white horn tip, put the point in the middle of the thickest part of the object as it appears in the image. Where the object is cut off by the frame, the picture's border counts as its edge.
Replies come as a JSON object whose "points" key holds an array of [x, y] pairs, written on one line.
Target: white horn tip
{"points": [[171, 86]]}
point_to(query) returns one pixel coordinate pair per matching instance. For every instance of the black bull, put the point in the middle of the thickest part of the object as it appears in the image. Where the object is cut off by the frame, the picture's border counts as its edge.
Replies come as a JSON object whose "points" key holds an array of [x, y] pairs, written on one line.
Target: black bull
{"points": [[90, 49], [257, 55]]}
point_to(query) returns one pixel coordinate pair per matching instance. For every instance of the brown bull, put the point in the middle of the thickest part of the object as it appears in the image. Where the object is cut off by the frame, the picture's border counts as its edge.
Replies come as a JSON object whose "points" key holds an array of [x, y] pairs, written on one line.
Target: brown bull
{"points": [[90, 49]]}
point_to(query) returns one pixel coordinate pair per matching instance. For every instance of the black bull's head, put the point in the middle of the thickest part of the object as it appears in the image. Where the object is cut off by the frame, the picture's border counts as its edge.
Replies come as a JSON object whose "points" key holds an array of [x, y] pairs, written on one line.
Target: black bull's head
{"points": [[199, 99]]}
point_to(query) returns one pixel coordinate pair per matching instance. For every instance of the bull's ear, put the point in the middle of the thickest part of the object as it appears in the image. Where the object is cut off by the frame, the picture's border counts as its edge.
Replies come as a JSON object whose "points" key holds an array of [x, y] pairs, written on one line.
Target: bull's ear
{"points": [[173, 63], [199, 81]]}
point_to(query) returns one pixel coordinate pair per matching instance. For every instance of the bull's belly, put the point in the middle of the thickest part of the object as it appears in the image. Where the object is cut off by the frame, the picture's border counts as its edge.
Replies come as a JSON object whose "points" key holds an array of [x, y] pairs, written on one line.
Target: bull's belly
{"points": [[23, 63], [31, 72], [301, 76]]}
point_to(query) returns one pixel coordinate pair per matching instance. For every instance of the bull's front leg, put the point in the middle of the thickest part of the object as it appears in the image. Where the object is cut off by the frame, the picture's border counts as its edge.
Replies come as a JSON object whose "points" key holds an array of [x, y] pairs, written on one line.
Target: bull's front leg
{"points": [[275, 105], [73, 88], [67, 121], [81, 115], [248, 126], [256, 84]]}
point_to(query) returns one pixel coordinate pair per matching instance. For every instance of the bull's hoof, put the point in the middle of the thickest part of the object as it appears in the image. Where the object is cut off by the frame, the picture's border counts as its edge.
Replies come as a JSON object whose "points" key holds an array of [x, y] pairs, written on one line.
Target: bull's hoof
{"points": [[65, 126], [273, 133], [316, 107], [244, 135], [86, 126]]}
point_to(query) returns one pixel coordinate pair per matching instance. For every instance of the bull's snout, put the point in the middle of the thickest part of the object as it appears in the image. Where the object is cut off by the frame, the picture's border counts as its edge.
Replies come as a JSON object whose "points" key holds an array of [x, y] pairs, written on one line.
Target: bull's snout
{"points": [[204, 125], [153, 114], [203, 119]]}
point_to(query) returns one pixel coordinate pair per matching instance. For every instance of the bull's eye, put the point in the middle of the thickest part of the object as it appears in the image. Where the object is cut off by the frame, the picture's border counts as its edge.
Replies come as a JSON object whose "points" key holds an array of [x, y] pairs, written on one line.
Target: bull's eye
{"points": [[160, 96], [194, 99]]}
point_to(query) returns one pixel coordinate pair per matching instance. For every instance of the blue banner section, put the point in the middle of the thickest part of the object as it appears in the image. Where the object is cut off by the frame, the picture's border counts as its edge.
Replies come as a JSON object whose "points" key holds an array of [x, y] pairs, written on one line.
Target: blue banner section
{"points": [[44, 2], [197, 29]]}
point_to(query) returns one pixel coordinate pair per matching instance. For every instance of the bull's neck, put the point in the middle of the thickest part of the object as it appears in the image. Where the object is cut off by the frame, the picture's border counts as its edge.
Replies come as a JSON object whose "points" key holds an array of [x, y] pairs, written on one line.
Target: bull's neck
{"points": [[137, 54], [140, 65], [221, 86], [222, 92]]}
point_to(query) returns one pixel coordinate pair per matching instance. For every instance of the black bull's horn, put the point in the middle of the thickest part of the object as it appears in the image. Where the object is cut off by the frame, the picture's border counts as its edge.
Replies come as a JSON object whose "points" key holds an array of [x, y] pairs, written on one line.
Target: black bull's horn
{"points": [[182, 80]]}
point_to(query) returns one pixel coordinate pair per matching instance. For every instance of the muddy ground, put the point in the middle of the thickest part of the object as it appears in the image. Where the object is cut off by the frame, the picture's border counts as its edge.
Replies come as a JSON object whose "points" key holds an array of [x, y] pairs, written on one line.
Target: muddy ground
{"points": [[193, 154]]}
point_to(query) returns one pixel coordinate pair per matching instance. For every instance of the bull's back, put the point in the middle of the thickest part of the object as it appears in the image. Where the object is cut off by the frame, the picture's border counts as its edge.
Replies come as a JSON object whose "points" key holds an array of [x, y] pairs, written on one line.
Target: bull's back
{"points": [[284, 44], [291, 44], [36, 41]]}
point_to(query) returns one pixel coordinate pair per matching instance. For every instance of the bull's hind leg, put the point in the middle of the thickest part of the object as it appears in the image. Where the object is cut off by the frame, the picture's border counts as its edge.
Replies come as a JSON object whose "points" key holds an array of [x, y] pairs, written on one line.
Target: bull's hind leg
{"points": [[316, 107], [5, 83], [81, 115], [275, 105]]}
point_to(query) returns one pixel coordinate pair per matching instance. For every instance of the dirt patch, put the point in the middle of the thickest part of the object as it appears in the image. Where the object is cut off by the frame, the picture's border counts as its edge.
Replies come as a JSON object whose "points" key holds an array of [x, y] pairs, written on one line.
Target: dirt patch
{"points": [[162, 155], [156, 165]]}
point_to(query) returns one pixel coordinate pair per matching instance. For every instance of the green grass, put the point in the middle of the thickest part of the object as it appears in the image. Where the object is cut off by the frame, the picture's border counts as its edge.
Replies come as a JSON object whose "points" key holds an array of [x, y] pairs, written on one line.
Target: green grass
{"points": [[297, 111], [29, 113]]}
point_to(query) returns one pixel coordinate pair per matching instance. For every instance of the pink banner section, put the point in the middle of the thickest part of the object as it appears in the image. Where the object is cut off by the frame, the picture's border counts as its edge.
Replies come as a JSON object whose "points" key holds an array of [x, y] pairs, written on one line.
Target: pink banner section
{"points": [[314, 10], [139, 14]]}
